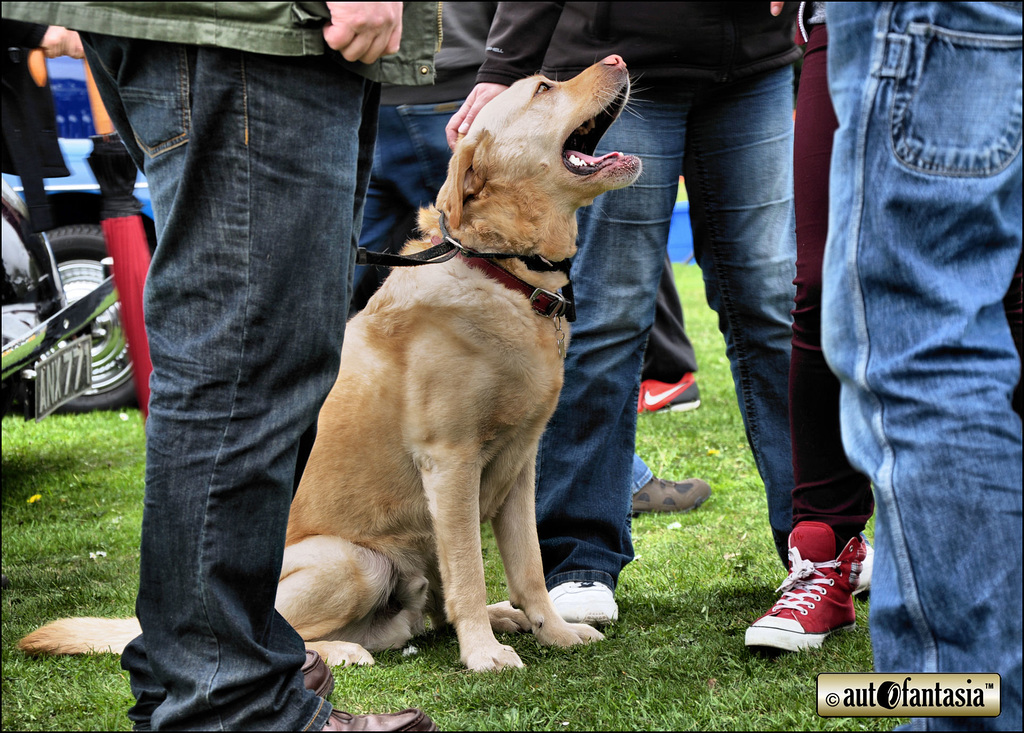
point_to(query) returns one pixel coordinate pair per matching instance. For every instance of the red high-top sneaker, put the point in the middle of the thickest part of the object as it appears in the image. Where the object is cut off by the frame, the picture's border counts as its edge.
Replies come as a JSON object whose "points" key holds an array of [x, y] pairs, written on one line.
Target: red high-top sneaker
{"points": [[817, 597]]}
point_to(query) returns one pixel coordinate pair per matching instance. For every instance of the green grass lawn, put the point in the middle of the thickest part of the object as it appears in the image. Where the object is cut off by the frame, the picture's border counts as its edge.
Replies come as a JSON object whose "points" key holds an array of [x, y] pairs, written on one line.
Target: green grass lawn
{"points": [[72, 508]]}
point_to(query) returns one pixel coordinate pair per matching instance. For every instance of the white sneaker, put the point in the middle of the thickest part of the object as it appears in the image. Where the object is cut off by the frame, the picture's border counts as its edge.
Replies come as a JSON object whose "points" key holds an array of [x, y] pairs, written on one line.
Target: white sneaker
{"points": [[864, 581], [586, 602]]}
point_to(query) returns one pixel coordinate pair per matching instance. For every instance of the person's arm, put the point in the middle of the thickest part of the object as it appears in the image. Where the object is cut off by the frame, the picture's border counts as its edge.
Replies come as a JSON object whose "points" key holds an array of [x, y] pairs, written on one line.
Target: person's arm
{"points": [[518, 40], [516, 44]]}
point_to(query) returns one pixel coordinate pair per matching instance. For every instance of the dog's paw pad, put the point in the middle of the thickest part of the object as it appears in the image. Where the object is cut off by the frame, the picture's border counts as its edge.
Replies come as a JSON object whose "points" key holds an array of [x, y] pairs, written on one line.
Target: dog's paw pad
{"points": [[343, 654], [568, 634], [492, 659], [586, 633], [506, 619]]}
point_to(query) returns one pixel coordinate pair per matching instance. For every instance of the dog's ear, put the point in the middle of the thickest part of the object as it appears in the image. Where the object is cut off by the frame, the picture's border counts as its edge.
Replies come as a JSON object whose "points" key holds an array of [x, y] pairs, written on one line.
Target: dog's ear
{"points": [[465, 180]]}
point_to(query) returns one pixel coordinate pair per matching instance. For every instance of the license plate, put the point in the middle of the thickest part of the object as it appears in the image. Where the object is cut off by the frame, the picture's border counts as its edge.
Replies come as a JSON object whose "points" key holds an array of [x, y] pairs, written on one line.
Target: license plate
{"points": [[63, 375]]}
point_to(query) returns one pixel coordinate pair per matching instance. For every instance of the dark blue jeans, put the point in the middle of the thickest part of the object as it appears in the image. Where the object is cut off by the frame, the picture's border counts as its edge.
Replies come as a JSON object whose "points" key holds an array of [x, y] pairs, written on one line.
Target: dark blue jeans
{"points": [[734, 143], [257, 167]]}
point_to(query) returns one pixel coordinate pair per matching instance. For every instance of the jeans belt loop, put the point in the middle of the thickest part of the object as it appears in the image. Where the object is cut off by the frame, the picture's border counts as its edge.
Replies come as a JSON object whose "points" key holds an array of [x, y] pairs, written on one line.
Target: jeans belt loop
{"points": [[896, 58]]}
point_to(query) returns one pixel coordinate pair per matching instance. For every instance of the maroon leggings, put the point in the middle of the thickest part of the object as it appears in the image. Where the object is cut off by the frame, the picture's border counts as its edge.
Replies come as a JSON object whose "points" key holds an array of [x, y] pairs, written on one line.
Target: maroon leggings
{"points": [[827, 488]]}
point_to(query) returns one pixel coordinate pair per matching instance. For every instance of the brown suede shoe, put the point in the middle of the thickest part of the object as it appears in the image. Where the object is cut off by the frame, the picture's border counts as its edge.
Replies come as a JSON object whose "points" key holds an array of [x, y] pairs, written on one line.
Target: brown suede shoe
{"points": [[410, 719], [317, 675], [660, 495]]}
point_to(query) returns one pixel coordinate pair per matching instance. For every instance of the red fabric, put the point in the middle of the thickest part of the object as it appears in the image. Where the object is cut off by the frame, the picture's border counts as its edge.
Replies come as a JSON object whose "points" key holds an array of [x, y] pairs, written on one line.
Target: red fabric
{"points": [[127, 245]]}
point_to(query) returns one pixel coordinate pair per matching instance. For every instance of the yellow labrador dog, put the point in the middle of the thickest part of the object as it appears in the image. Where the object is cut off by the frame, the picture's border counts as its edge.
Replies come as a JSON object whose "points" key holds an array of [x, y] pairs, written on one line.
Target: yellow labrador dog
{"points": [[447, 380]]}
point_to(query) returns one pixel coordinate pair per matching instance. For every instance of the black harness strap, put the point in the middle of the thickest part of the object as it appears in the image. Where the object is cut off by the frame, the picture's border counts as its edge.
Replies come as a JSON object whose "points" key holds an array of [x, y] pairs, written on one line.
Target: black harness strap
{"points": [[449, 247], [438, 253]]}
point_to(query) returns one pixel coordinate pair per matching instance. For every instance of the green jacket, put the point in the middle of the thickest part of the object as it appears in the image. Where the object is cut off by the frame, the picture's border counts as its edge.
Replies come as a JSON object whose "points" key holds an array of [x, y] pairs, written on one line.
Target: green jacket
{"points": [[275, 28]]}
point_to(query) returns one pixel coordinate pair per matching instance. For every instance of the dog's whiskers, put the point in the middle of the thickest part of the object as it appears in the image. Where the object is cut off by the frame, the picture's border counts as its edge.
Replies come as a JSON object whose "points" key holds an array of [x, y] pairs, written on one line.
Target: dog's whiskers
{"points": [[631, 109]]}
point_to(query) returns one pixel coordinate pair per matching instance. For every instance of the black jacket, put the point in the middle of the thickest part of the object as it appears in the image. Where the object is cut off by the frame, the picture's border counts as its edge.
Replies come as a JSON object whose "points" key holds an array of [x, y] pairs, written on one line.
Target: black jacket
{"points": [[663, 43], [30, 147]]}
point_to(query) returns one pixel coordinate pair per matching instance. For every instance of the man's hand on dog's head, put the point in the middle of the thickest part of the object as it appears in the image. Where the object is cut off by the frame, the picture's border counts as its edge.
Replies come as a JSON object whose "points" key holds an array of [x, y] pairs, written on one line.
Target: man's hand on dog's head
{"points": [[459, 124]]}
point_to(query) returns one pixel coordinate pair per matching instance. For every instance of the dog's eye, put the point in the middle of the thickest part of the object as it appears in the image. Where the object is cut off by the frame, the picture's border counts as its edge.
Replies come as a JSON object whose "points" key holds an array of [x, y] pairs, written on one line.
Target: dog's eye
{"points": [[541, 88]]}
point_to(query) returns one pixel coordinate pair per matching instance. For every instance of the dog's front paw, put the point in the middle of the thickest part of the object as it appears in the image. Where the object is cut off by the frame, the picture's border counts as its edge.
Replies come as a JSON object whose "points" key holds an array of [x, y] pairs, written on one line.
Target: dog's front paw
{"points": [[491, 658], [506, 619], [566, 634], [341, 653]]}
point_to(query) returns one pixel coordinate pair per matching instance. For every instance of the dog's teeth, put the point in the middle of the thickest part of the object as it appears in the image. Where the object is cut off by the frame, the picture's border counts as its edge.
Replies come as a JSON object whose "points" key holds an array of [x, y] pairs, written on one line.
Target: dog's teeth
{"points": [[576, 161]]}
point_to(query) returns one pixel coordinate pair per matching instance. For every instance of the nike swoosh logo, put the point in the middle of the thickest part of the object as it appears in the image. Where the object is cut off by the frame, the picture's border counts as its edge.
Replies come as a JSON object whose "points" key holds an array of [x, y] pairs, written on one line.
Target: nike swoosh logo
{"points": [[653, 398]]}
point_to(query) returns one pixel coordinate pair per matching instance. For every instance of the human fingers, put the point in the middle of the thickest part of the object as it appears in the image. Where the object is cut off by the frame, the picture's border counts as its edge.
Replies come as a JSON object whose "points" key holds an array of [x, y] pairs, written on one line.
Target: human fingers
{"points": [[460, 123], [58, 41], [364, 31]]}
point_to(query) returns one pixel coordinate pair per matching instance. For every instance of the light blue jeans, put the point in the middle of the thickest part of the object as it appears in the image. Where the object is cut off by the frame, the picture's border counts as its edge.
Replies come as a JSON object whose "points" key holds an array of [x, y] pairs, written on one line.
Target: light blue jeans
{"points": [[733, 142], [925, 234], [641, 474], [257, 167]]}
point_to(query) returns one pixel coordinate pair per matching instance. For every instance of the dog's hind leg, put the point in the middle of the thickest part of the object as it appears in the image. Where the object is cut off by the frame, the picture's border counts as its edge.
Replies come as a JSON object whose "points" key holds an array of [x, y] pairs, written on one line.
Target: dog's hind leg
{"points": [[331, 591], [515, 529], [341, 653], [407, 604]]}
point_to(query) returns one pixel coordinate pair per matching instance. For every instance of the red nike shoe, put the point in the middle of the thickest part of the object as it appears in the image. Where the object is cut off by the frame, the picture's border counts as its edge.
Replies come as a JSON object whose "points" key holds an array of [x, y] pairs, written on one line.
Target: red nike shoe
{"points": [[679, 397]]}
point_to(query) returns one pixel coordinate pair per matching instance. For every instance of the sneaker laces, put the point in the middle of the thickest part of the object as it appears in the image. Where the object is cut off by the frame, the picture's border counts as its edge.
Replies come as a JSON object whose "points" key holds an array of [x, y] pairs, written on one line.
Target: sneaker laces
{"points": [[805, 583]]}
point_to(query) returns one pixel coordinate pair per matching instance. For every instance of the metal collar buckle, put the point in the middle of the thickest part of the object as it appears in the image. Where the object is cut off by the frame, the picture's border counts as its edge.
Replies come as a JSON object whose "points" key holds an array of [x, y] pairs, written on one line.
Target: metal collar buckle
{"points": [[555, 309]]}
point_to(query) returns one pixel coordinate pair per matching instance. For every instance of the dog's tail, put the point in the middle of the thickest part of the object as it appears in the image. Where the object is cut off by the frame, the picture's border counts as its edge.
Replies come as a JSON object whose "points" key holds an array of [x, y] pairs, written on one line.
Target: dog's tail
{"points": [[82, 636]]}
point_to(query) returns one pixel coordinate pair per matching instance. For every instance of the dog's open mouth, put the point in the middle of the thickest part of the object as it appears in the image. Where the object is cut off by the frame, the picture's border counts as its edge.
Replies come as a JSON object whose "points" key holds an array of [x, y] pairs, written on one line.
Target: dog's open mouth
{"points": [[578, 150]]}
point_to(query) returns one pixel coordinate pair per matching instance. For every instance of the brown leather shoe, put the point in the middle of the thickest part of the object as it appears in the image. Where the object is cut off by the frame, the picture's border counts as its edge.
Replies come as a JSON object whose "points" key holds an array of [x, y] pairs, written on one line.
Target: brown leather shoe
{"points": [[317, 675], [410, 719]]}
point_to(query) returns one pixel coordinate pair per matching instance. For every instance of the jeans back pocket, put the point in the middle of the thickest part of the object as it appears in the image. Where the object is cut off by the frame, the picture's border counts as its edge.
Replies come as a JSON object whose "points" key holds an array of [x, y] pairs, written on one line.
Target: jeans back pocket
{"points": [[973, 131], [154, 91]]}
